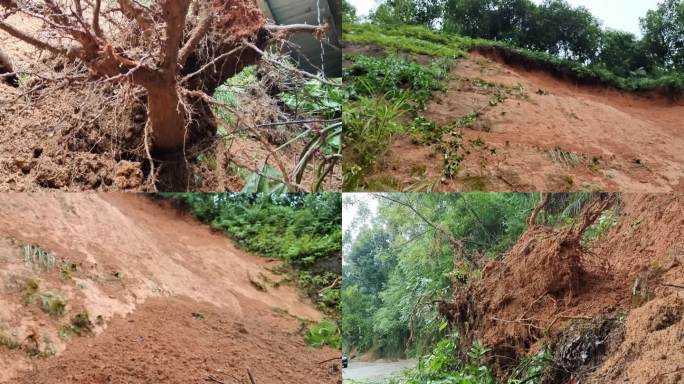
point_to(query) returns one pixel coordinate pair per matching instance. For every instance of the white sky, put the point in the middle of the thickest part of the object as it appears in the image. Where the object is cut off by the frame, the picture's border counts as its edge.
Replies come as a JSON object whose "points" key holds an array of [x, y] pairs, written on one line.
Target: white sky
{"points": [[622, 15], [615, 14], [350, 211]]}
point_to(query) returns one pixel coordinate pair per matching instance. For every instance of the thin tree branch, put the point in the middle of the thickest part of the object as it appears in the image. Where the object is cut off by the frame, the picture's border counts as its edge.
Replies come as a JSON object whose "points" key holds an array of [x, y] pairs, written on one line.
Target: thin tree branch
{"points": [[205, 19], [32, 40], [175, 14], [96, 18]]}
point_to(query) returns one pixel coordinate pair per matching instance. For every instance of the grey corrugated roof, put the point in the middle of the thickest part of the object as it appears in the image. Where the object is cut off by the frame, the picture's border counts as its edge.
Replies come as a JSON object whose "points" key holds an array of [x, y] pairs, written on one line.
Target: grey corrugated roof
{"points": [[306, 12]]}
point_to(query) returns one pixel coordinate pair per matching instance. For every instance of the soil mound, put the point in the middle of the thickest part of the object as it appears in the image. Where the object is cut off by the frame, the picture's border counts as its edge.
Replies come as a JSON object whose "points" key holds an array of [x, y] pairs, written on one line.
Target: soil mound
{"points": [[550, 282], [178, 340], [149, 279]]}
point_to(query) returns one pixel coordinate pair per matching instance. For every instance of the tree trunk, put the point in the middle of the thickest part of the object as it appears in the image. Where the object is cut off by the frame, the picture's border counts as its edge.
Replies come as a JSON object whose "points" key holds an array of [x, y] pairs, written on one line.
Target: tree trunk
{"points": [[167, 118]]}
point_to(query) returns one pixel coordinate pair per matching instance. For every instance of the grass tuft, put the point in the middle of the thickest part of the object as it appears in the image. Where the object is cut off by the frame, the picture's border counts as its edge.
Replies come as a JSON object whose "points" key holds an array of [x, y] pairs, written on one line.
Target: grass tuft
{"points": [[52, 303]]}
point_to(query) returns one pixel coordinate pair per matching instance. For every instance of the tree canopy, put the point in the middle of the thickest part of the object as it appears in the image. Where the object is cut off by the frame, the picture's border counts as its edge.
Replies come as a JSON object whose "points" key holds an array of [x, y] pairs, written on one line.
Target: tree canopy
{"points": [[554, 27], [399, 263]]}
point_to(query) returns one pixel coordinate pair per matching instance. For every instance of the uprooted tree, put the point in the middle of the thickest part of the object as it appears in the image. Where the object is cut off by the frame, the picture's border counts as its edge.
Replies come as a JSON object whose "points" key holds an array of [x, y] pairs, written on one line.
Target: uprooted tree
{"points": [[178, 51]]}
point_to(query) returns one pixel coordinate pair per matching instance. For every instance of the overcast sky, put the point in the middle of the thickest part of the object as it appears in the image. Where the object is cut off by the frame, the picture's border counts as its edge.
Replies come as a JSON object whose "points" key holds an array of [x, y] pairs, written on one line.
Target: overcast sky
{"points": [[350, 212], [615, 14]]}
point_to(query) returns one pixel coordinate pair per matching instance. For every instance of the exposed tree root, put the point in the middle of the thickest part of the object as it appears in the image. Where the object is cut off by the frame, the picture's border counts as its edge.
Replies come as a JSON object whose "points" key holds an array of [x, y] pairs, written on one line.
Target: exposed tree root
{"points": [[545, 266]]}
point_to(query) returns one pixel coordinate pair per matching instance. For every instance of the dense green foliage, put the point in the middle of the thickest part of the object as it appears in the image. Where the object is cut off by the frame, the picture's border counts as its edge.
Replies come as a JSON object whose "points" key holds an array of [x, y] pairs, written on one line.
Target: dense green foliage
{"points": [[407, 38], [399, 262], [326, 332], [397, 265], [626, 73], [299, 228], [553, 27], [442, 366], [384, 95]]}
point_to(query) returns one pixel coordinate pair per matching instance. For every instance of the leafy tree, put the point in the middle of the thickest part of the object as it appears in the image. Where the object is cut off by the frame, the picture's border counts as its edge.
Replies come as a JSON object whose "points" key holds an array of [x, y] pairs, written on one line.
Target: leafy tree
{"points": [[469, 17], [622, 53], [507, 20], [419, 12], [400, 262], [664, 34], [554, 26], [563, 30], [357, 322], [348, 13]]}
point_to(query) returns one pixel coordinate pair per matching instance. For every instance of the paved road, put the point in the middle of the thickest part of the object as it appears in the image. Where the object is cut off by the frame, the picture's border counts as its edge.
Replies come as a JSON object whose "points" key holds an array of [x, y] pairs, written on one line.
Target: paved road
{"points": [[375, 372]]}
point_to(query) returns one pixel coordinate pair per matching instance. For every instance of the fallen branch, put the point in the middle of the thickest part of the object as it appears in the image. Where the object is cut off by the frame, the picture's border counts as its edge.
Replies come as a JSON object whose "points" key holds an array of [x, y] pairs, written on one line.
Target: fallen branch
{"points": [[533, 217], [303, 73], [564, 317], [330, 286], [664, 374], [672, 285], [251, 378], [297, 122], [524, 322], [214, 380], [326, 361]]}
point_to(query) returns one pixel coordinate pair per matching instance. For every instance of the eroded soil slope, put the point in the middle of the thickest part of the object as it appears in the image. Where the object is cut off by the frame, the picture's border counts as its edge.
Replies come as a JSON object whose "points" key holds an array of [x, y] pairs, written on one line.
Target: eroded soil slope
{"points": [[170, 301], [612, 310], [528, 131]]}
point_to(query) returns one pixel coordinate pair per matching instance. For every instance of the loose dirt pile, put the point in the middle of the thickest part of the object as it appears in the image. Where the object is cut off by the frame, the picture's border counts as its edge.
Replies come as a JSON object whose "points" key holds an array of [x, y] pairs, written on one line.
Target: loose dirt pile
{"points": [[621, 285], [168, 300], [528, 131]]}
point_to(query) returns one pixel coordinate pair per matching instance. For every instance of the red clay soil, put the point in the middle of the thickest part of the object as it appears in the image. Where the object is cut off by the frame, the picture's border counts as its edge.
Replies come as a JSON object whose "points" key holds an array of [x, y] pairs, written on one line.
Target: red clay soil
{"points": [[547, 134], [526, 300], [162, 342], [171, 300]]}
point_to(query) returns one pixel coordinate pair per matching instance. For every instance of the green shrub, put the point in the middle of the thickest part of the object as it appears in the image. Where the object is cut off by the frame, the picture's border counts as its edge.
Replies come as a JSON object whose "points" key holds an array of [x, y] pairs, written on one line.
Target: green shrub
{"points": [[316, 98], [326, 332], [406, 38], [52, 303], [442, 366], [9, 342], [382, 92], [30, 289], [395, 78]]}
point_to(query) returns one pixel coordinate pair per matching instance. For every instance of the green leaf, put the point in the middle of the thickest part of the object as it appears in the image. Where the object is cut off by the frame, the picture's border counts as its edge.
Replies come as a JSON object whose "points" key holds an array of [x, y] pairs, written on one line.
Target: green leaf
{"points": [[256, 183]]}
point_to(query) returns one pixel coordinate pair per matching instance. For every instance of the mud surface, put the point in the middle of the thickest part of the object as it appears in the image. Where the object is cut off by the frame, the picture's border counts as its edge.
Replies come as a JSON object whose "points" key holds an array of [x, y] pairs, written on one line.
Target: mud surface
{"points": [[170, 300], [534, 132]]}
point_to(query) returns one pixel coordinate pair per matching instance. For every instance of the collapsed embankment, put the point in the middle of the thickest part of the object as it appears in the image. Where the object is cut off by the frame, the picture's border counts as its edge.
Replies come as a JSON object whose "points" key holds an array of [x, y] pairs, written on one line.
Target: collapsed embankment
{"points": [[610, 310], [521, 126], [168, 299]]}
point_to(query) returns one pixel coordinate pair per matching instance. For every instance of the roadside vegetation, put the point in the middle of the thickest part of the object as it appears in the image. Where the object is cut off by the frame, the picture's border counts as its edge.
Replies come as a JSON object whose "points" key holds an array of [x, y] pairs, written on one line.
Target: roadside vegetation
{"points": [[405, 262], [423, 38]]}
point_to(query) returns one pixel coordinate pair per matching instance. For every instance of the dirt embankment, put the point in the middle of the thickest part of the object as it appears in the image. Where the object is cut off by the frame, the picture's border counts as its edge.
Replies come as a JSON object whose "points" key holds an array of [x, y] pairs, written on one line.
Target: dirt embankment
{"points": [[526, 130], [170, 301], [613, 310]]}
